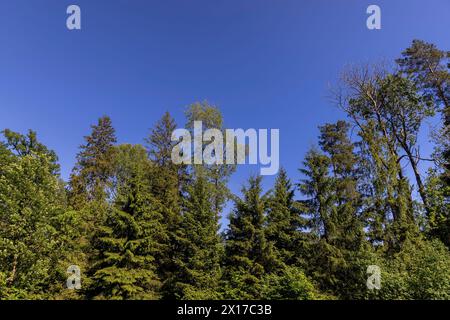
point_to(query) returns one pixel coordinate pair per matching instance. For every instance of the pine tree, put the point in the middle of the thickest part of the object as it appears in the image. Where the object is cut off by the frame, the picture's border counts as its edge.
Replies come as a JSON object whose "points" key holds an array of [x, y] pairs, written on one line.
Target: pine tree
{"points": [[129, 240], [199, 245], [90, 186], [346, 223], [428, 67], [318, 188], [90, 179], [284, 222], [168, 186], [331, 185], [249, 256]]}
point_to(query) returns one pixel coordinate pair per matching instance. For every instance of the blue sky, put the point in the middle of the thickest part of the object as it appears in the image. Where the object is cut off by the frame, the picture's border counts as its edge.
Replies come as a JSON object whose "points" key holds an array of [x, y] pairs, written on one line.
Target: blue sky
{"points": [[266, 64]]}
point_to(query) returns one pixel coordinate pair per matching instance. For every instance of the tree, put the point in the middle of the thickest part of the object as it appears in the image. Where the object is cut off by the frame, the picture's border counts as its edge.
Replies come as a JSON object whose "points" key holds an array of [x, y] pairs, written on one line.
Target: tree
{"points": [[405, 112], [90, 178], [128, 242], [168, 186], [428, 67], [168, 182], [249, 256], [36, 227], [200, 248], [334, 205], [439, 221], [387, 114], [347, 223], [285, 223], [217, 174], [23, 145], [291, 284], [90, 185], [419, 272]]}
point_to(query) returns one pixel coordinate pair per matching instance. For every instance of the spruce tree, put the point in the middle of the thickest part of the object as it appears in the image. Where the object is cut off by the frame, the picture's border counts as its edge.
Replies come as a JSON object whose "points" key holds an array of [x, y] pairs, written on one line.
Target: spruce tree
{"points": [[317, 187], [199, 245], [167, 186], [347, 223], [285, 225], [331, 185], [90, 178], [132, 235], [249, 256]]}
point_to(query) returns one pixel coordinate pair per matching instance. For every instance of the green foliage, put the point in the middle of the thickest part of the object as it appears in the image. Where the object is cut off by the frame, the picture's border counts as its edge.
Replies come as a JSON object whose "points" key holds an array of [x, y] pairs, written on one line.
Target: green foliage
{"points": [[218, 175], [167, 185], [35, 226], [248, 253], [126, 244], [199, 245], [141, 227], [421, 271], [90, 179], [429, 67], [387, 112], [284, 222], [90, 186], [439, 218], [291, 284], [334, 205], [22, 145]]}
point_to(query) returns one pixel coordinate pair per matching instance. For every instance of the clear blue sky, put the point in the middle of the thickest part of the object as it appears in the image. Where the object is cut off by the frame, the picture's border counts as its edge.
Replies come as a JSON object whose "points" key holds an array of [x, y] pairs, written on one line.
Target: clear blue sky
{"points": [[266, 64]]}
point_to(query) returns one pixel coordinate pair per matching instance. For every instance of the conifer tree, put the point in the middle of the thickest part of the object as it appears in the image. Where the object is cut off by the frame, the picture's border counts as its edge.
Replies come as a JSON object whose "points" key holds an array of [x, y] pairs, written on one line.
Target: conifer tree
{"points": [[90, 186], [428, 67], [346, 223], [168, 183], [249, 256], [129, 240], [90, 178], [168, 186], [318, 188], [331, 185], [199, 246], [285, 225]]}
